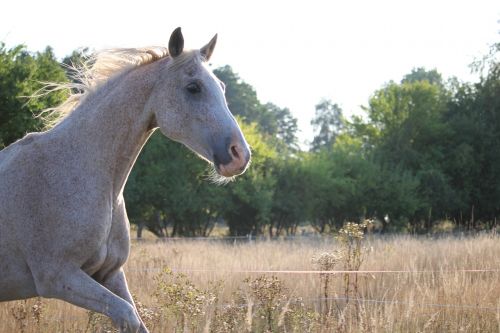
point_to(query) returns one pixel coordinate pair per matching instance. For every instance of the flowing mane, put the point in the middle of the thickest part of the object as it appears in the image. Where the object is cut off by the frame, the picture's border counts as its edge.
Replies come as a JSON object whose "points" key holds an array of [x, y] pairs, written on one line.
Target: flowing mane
{"points": [[87, 76]]}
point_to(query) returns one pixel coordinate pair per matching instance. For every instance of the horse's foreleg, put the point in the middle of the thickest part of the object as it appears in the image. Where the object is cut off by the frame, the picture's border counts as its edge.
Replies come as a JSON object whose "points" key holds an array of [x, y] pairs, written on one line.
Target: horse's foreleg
{"points": [[117, 283], [78, 288]]}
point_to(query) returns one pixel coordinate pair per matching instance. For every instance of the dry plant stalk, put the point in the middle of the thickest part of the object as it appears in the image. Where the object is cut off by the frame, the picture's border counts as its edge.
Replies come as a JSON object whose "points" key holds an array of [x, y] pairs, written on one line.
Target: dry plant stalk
{"points": [[350, 237], [179, 297], [326, 261], [20, 314], [269, 296]]}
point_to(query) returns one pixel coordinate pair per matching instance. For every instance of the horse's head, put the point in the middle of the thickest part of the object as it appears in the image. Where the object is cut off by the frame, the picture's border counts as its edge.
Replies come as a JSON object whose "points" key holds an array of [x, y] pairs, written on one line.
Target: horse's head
{"points": [[190, 107]]}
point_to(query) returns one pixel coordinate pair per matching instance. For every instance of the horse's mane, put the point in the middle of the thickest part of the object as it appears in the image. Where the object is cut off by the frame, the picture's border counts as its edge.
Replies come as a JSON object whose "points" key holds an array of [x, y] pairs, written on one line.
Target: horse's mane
{"points": [[85, 77]]}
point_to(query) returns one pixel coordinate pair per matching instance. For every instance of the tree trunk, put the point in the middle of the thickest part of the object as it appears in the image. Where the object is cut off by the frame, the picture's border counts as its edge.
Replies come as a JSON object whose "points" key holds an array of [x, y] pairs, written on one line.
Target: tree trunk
{"points": [[473, 222], [279, 227], [174, 229], [140, 226]]}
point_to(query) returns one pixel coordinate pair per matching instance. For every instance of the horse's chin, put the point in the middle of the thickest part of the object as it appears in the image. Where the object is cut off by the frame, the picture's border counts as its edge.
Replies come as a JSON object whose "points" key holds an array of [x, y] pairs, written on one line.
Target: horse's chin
{"points": [[216, 177], [219, 175], [228, 171]]}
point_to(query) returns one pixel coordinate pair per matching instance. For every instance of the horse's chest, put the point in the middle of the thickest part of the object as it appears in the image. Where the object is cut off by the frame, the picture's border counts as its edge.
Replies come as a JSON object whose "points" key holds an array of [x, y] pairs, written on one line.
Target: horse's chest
{"points": [[96, 261], [112, 252], [108, 258]]}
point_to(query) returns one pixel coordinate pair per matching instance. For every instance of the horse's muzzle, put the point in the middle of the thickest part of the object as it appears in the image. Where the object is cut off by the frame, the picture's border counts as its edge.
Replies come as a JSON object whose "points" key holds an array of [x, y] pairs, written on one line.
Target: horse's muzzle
{"points": [[233, 160]]}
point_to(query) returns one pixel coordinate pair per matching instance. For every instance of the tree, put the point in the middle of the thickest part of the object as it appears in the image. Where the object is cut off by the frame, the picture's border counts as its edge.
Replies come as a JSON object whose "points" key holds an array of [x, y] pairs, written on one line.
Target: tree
{"points": [[168, 187], [271, 119], [241, 97], [248, 200], [328, 122], [286, 126], [77, 59], [473, 166], [22, 75], [288, 208], [426, 150], [420, 74]]}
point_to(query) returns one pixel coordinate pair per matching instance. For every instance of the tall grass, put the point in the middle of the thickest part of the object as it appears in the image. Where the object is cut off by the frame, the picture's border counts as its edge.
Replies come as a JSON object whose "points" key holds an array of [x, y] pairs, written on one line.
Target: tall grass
{"points": [[210, 297]]}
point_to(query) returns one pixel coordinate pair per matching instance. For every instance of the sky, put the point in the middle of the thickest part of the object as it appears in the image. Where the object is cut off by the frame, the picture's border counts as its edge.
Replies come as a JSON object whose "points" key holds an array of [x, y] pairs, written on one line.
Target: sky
{"points": [[294, 53]]}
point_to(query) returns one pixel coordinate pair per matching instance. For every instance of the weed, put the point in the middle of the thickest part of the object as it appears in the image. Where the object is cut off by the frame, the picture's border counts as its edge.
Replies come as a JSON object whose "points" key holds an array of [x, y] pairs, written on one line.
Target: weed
{"points": [[326, 261], [300, 319], [20, 314], [98, 323], [37, 311], [350, 237], [269, 295], [179, 297], [406, 302], [150, 316], [228, 318]]}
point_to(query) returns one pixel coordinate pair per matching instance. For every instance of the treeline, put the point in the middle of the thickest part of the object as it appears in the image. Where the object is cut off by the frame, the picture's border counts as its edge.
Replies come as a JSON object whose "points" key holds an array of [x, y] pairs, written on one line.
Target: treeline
{"points": [[426, 151]]}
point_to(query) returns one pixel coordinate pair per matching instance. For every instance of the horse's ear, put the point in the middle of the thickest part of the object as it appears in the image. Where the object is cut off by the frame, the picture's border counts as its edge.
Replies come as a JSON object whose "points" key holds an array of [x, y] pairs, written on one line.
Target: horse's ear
{"points": [[207, 50], [176, 43]]}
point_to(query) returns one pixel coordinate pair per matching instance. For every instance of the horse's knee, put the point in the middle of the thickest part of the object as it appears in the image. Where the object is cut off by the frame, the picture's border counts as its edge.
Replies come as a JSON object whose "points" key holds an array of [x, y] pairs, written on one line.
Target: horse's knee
{"points": [[76, 287], [127, 320]]}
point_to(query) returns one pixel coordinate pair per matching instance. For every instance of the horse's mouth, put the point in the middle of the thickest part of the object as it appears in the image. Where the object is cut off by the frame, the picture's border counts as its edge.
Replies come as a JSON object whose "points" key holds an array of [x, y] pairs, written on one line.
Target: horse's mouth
{"points": [[229, 170]]}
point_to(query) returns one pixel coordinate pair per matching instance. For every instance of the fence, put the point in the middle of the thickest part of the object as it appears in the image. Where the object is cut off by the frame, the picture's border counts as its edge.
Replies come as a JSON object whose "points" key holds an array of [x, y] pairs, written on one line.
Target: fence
{"points": [[309, 237]]}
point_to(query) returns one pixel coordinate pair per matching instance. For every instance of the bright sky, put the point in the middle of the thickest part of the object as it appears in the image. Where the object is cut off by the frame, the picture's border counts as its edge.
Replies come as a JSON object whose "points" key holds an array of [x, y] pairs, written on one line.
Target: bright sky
{"points": [[293, 52]]}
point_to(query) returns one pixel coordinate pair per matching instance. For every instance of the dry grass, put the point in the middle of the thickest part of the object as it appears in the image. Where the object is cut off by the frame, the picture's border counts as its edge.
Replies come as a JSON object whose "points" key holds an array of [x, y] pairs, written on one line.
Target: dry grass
{"points": [[444, 299]]}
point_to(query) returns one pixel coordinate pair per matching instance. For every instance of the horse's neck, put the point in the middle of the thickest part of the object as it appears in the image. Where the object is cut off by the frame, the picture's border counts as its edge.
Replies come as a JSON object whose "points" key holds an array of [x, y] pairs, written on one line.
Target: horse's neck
{"points": [[109, 128]]}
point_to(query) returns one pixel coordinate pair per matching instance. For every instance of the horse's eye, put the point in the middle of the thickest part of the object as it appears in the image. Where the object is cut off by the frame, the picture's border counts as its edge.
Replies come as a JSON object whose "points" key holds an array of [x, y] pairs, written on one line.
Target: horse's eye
{"points": [[193, 88]]}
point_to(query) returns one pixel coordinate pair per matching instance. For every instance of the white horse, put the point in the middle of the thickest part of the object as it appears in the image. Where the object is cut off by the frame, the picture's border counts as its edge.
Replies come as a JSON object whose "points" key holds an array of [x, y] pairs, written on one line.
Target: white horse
{"points": [[64, 231]]}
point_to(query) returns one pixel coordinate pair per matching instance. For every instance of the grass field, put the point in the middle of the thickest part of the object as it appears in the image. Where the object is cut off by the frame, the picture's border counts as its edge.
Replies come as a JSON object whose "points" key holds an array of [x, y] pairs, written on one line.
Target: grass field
{"points": [[209, 292]]}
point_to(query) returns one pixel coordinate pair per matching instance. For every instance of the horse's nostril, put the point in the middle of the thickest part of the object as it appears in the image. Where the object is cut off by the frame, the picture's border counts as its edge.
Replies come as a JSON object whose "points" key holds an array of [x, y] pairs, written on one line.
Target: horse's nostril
{"points": [[234, 152]]}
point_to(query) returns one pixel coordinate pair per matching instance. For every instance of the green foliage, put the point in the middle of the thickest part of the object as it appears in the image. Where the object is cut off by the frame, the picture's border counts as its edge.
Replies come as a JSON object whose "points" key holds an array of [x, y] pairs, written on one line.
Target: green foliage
{"points": [[241, 97], [288, 208], [426, 151], [249, 198], [473, 171], [77, 58], [441, 139], [420, 74], [328, 122], [80, 58], [272, 120], [21, 76], [169, 186]]}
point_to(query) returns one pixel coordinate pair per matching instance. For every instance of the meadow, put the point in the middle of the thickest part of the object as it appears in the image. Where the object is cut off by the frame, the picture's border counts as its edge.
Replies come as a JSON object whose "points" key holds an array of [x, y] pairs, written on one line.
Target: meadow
{"points": [[218, 286]]}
